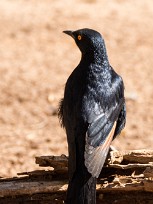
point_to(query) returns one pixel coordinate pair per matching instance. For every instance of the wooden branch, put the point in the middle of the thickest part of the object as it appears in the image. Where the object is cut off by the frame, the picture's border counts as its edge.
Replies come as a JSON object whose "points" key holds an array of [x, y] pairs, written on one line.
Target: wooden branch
{"points": [[123, 173], [118, 160], [59, 163], [115, 157], [17, 188], [136, 156], [123, 184]]}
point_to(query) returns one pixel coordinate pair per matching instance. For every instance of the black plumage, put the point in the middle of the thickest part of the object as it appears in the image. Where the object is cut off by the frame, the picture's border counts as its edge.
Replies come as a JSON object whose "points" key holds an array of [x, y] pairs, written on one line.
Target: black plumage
{"points": [[93, 113]]}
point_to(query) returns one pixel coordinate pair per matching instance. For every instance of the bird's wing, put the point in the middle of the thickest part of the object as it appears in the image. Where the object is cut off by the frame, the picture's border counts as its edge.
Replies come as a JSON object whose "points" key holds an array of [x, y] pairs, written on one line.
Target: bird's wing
{"points": [[99, 137]]}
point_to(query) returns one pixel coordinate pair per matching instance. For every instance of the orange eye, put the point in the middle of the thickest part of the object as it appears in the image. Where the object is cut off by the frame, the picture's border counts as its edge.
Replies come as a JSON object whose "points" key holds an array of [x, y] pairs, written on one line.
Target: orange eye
{"points": [[79, 37]]}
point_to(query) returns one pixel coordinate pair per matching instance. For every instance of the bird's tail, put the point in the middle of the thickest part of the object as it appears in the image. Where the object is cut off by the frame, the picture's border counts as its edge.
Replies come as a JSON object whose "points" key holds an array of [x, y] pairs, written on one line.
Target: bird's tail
{"points": [[81, 189]]}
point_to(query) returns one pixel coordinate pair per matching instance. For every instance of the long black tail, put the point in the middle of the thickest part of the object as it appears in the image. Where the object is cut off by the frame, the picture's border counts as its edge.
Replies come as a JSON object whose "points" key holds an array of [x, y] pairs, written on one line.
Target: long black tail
{"points": [[81, 189]]}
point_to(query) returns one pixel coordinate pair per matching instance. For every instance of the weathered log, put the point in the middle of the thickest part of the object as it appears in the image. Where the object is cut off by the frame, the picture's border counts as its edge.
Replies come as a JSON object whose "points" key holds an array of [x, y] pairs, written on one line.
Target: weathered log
{"points": [[136, 156], [127, 177], [115, 157]]}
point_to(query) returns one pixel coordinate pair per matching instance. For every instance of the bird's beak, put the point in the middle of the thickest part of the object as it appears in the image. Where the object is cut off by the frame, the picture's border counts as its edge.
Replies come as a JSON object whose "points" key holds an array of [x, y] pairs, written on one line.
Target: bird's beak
{"points": [[69, 32]]}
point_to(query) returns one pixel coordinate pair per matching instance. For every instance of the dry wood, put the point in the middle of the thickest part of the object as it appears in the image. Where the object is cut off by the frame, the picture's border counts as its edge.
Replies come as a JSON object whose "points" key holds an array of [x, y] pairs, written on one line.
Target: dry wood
{"points": [[135, 156], [16, 188], [116, 159], [123, 173], [57, 162]]}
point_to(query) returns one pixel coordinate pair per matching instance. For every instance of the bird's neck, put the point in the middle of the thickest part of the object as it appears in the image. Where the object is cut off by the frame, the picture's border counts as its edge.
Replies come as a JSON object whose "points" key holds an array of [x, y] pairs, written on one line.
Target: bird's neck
{"points": [[96, 56]]}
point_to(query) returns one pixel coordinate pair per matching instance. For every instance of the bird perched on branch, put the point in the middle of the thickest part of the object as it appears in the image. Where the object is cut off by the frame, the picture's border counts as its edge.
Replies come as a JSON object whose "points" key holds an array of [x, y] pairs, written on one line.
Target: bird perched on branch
{"points": [[93, 113]]}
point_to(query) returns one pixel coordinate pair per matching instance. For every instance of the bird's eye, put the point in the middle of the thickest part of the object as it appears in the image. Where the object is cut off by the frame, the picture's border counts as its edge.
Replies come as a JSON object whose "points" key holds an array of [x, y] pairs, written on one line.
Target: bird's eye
{"points": [[79, 37]]}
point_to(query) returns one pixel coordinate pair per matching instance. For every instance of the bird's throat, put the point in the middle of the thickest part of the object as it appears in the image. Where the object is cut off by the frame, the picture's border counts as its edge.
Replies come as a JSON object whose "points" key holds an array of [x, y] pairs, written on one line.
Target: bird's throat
{"points": [[95, 57]]}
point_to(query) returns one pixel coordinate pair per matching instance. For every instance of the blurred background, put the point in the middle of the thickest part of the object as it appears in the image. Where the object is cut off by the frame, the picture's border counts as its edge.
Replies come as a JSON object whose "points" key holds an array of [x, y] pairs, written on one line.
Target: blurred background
{"points": [[36, 59]]}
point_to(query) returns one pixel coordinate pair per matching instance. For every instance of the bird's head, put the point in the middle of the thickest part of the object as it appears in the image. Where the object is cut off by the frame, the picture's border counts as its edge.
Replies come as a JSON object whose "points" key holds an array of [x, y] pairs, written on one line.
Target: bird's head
{"points": [[87, 40]]}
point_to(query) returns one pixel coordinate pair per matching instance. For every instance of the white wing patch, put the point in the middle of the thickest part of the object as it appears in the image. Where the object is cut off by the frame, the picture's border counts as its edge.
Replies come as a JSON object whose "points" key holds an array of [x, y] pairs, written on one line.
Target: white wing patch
{"points": [[95, 157]]}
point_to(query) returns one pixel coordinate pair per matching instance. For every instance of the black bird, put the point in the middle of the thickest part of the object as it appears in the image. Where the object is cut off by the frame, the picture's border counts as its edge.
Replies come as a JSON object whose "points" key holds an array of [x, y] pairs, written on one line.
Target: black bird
{"points": [[93, 113]]}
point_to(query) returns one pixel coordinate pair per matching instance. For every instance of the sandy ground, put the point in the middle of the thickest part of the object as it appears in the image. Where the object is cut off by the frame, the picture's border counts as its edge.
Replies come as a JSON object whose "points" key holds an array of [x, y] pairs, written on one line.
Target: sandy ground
{"points": [[36, 58]]}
